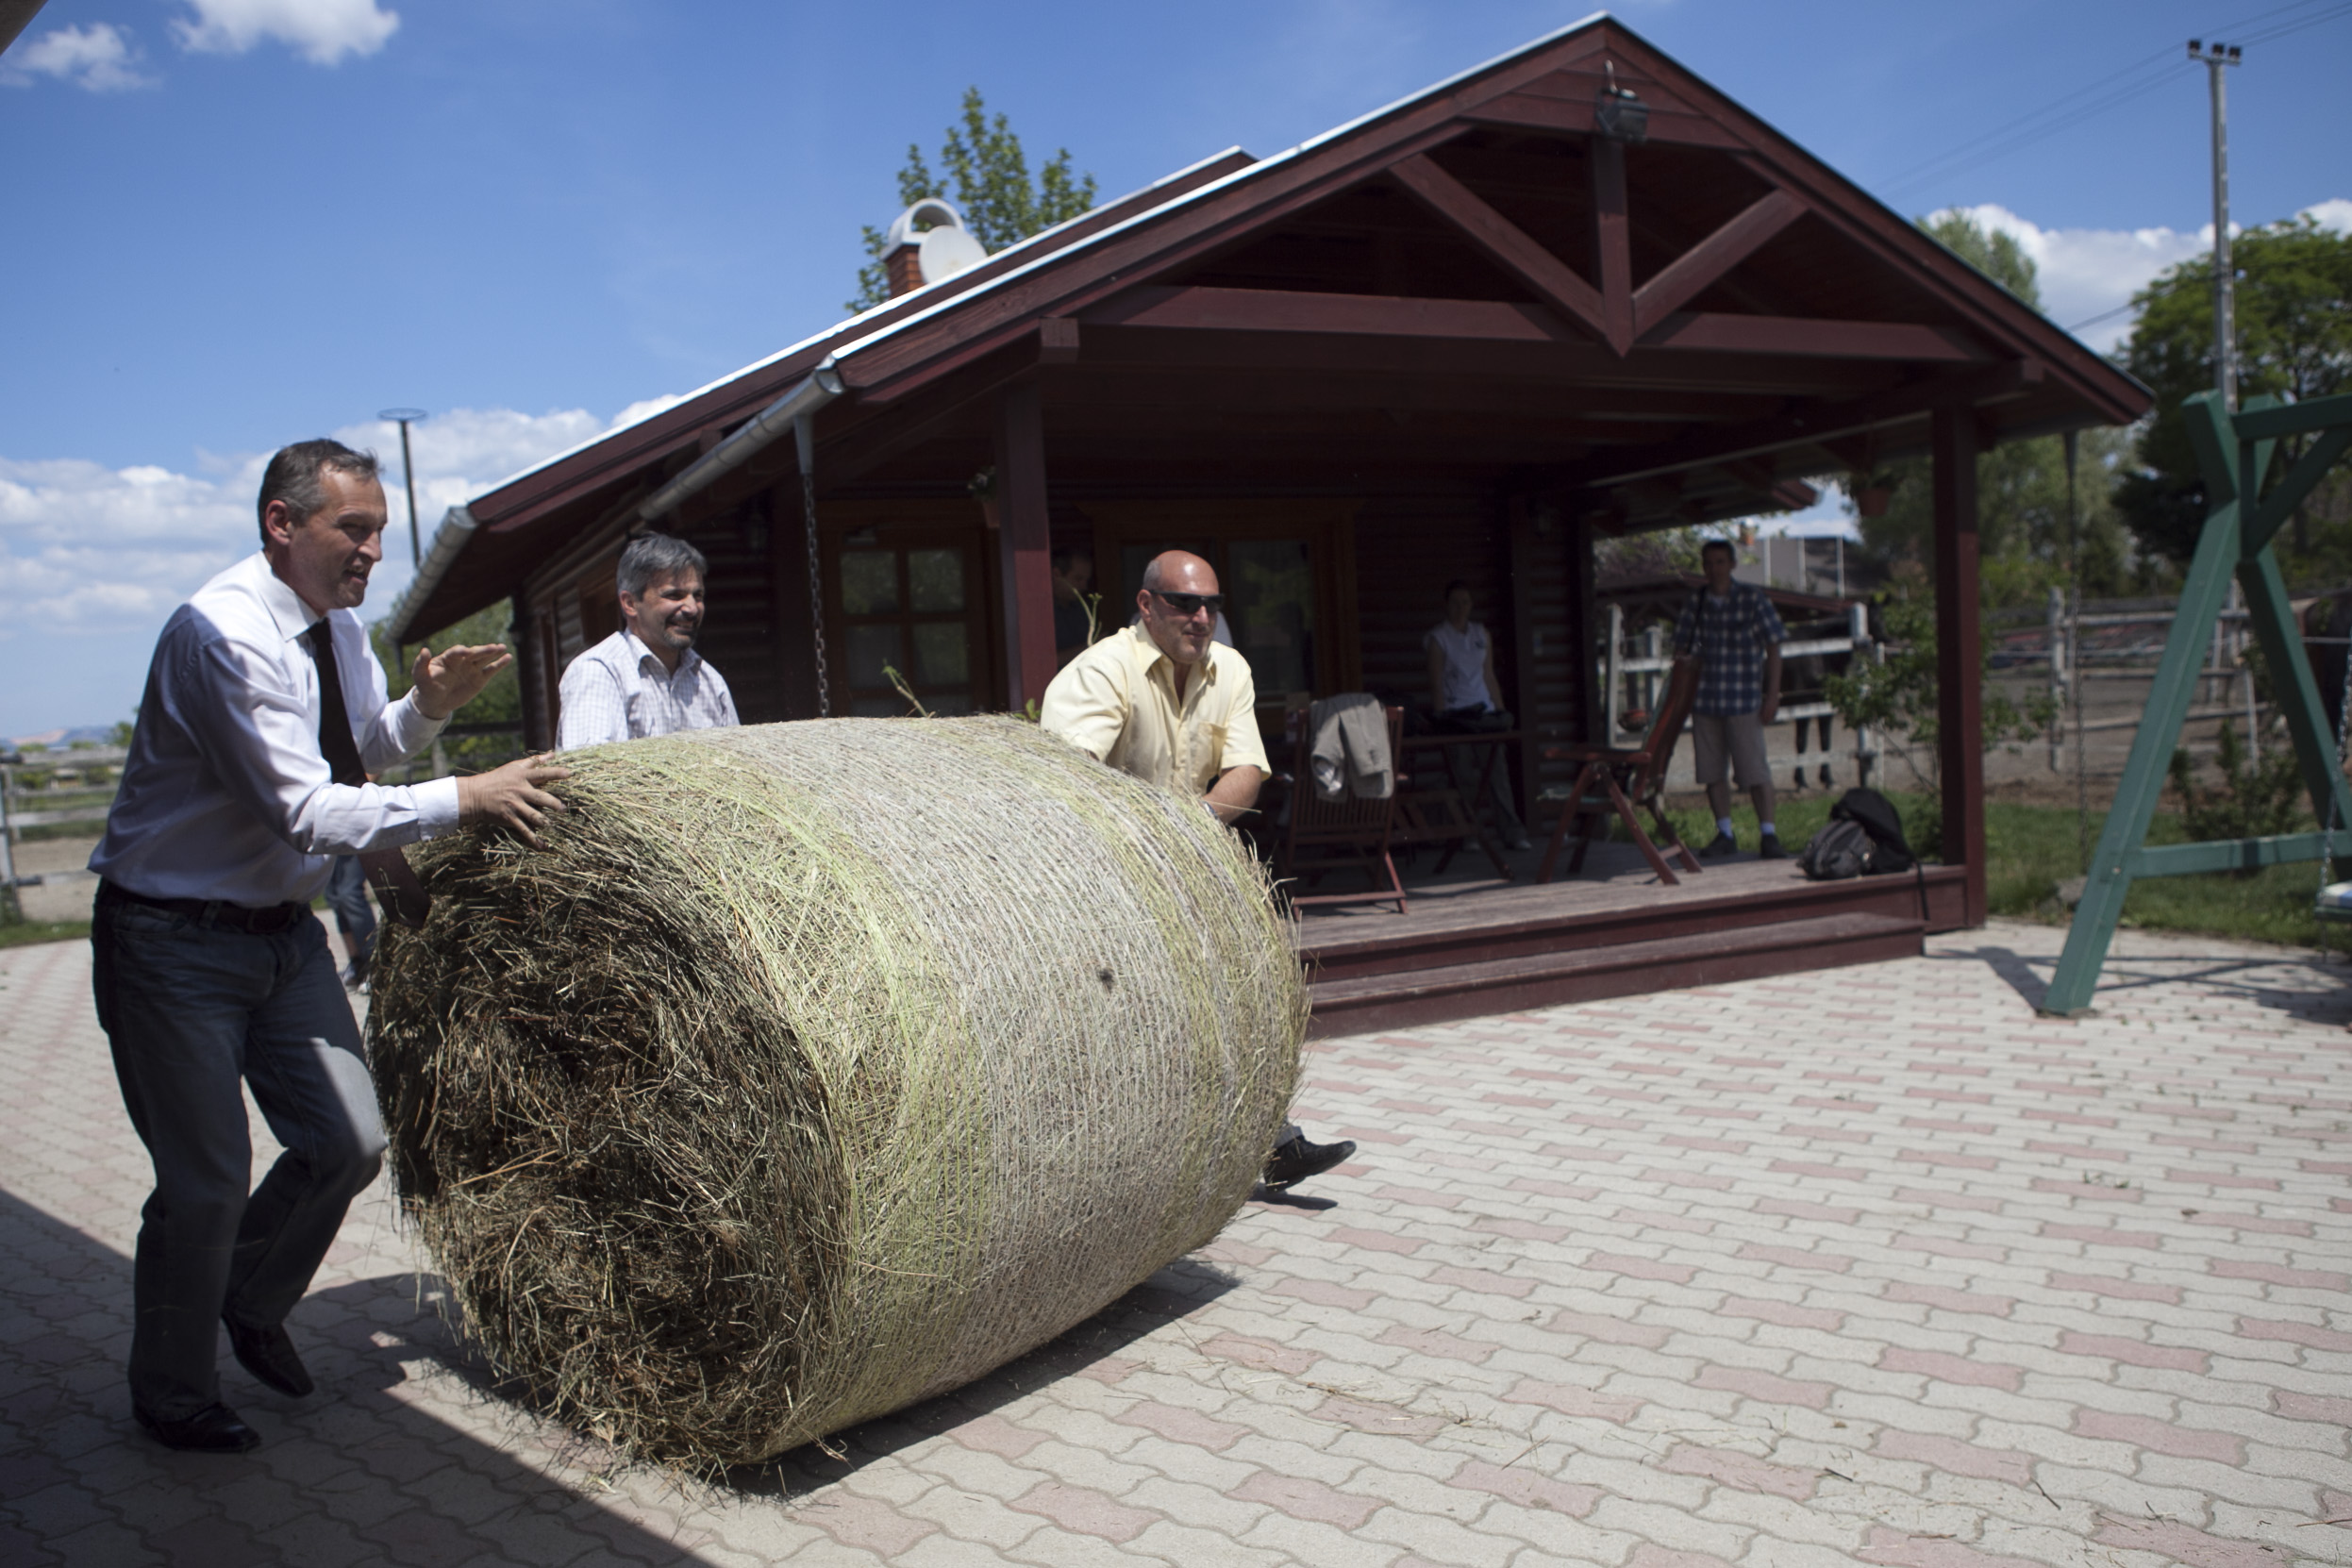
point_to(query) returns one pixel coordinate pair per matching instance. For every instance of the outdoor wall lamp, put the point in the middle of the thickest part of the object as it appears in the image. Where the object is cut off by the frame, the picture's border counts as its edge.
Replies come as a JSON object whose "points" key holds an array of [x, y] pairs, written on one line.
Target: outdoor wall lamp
{"points": [[1621, 115]]}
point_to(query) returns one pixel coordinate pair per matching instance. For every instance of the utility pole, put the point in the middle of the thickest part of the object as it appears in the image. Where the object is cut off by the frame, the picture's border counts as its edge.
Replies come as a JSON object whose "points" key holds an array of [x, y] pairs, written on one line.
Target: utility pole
{"points": [[404, 418], [2214, 58]]}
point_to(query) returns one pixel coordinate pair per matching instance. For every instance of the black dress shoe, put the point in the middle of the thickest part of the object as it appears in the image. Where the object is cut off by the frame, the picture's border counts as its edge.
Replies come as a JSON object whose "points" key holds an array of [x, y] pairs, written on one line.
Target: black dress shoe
{"points": [[1294, 1159], [1719, 846], [214, 1429], [1770, 849], [269, 1355]]}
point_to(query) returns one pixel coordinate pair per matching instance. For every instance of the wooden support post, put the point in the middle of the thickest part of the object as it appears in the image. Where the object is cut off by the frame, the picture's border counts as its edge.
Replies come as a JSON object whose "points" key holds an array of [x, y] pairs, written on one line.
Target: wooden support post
{"points": [[1584, 635], [531, 674], [1025, 545], [1525, 636], [1960, 662], [1612, 244]]}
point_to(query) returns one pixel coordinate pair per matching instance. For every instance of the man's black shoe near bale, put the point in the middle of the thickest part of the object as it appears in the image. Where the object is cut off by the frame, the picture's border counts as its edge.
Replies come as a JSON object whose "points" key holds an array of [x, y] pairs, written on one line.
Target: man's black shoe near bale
{"points": [[1294, 1159], [1770, 848], [213, 1429], [269, 1355]]}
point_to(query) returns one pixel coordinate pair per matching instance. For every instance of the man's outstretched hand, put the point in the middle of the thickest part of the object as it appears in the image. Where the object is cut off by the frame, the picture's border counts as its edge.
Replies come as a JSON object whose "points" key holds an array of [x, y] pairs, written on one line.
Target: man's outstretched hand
{"points": [[512, 796], [447, 681]]}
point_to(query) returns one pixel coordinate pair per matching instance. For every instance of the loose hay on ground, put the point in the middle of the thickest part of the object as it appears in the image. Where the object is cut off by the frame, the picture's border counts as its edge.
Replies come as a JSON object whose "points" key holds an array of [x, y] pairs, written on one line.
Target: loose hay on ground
{"points": [[814, 1069]]}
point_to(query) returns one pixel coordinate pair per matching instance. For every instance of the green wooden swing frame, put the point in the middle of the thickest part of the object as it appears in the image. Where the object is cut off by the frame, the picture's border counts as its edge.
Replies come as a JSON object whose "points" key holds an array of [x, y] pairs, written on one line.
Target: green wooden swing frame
{"points": [[2233, 453]]}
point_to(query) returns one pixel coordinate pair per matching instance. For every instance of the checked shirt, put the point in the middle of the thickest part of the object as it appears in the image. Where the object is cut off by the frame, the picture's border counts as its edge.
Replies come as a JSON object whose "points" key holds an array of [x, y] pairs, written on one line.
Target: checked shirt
{"points": [[1732, 636]]}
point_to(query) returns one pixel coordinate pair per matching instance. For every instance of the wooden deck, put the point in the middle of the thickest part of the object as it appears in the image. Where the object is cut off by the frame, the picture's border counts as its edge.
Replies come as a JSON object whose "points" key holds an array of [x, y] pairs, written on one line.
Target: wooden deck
{"points": [[1471, 944]]}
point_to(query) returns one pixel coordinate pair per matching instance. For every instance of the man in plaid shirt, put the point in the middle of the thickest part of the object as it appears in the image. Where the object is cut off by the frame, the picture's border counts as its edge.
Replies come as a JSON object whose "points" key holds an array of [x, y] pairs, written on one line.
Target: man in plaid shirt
{"points": [[646, 678], [1737, 634]]}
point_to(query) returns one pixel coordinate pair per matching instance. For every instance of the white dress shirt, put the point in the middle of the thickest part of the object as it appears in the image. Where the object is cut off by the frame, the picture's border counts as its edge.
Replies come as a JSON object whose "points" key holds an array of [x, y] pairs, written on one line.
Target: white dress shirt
{"points": [[618, 691], [225, 794]]}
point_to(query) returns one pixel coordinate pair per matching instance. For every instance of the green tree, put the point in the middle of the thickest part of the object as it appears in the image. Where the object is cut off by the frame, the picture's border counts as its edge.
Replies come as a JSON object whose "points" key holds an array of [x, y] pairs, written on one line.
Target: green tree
{"points": [[500, 702], [2022, 537], [2294, 341], [984, 172]]}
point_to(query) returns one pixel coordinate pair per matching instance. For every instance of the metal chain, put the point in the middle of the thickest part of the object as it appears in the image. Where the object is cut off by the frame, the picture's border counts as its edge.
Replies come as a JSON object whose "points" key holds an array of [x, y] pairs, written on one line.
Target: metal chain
{"points": [[816, 595]]}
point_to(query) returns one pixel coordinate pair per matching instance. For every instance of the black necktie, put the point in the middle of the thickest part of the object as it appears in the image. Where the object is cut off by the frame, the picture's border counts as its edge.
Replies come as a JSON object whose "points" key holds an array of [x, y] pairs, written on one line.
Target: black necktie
{"points": [[395, 883], [335, 743]]}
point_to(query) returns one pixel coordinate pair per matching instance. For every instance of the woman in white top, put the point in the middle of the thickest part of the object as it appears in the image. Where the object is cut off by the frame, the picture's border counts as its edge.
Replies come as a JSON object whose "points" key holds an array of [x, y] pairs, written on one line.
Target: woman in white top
{"points": [[1462, 686], [1462, 660]]}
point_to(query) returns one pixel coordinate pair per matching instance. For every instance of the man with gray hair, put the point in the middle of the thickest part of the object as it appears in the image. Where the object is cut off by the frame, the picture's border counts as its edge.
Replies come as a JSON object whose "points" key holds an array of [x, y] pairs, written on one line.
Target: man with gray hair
{"points": [[264, 713], [646, 678]]}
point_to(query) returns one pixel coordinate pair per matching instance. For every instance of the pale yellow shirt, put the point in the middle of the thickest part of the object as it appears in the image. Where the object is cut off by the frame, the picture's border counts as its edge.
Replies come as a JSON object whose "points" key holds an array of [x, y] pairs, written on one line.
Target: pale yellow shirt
{"points": [[1117, 701]]}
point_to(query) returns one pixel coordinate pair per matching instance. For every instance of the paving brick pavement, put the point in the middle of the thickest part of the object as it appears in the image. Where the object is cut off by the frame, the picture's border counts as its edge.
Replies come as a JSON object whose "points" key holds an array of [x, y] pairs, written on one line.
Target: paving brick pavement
{"points": [[1871, 1267]]}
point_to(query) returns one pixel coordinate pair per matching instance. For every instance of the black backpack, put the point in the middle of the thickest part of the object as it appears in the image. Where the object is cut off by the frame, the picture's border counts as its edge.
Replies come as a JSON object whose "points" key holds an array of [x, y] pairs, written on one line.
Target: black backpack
{"points": [[1865, 838], [1839, 850]]}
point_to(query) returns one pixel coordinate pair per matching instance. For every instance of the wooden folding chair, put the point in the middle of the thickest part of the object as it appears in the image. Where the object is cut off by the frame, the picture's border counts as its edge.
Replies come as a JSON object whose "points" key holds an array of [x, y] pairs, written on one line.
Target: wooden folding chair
{"points": [[1324, 834], [1612, 780]]}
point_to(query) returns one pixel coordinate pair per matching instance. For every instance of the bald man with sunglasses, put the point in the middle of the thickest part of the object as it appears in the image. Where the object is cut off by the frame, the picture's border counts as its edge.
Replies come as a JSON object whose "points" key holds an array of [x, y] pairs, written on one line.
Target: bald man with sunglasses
{"points": [[1164, 701], [1161, 700]]}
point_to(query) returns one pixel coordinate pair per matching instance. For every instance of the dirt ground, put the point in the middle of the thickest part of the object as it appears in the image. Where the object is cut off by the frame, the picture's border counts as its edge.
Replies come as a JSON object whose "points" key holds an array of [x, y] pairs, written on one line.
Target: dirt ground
{"points": [[68, 900]]}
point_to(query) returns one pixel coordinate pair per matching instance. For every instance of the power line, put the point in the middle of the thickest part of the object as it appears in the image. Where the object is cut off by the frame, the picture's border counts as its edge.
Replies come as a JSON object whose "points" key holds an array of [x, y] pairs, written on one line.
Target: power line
{"points": [[2141, 76]]}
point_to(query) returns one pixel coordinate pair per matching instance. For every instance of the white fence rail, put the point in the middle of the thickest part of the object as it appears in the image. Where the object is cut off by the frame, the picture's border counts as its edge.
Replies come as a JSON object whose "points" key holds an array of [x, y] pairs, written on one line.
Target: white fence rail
{"points": [[15, 816]]}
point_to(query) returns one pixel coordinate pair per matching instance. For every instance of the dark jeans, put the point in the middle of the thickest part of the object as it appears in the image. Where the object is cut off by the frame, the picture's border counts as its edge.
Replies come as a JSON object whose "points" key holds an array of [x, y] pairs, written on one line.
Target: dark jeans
{"points": [[354, 917], [190, 1010]]}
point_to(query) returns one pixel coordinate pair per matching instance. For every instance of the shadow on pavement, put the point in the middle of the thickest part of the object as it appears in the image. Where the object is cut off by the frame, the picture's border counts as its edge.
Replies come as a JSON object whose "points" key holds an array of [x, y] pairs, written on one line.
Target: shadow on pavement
{"points": [[1176, 1292], [2298, 986], [361, 1472]]}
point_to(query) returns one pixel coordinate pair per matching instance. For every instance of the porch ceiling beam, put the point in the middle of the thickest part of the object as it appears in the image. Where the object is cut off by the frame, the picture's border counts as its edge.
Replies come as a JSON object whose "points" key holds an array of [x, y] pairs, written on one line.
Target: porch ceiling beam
{"points": [[1682, 279], [1819, 422], [1508, 244], [1298, 310], [1566, 360], [1828, 339], [1146, 388], [1204, 308]]}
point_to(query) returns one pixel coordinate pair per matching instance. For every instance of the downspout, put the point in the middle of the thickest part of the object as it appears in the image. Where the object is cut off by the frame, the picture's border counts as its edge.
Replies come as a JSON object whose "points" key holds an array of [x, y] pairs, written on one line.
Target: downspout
{"points": [[449, 540], [822, 386]]}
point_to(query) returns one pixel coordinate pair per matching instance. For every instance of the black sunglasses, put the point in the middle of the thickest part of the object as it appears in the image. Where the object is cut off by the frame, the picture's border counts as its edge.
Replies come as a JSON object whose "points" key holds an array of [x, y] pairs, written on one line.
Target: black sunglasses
{"points": [[1189, 605]]}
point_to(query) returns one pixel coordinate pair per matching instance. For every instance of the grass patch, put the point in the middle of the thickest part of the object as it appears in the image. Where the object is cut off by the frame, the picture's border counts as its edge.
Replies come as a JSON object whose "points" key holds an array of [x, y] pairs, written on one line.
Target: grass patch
{"points": [[2030, 849], [24, 933]]}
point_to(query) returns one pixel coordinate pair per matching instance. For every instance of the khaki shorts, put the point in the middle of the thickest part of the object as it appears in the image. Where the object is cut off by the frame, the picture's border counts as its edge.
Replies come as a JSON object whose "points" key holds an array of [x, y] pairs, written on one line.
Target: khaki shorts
{"points": [[1737, 739]]}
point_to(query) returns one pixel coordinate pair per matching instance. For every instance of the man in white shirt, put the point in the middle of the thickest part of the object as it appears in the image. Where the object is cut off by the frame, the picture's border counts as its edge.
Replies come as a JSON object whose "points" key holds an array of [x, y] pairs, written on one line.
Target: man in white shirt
{"points": [[646, 678], [263, 714]]}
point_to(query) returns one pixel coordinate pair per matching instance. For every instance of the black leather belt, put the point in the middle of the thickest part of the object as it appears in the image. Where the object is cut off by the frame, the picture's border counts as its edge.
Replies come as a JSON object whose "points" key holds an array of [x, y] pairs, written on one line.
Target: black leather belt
{"points": [[272, 920]]}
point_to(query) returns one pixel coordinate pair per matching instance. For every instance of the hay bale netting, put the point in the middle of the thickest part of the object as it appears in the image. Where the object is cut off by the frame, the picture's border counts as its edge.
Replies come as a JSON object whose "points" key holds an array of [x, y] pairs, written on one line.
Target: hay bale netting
{"points": [[811, 1070]]}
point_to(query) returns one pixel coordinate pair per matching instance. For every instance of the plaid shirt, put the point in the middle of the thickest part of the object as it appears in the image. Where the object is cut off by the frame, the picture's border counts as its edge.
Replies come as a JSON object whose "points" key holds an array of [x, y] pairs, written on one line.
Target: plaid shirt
{"points": [[1732, 636], [618, 691]]}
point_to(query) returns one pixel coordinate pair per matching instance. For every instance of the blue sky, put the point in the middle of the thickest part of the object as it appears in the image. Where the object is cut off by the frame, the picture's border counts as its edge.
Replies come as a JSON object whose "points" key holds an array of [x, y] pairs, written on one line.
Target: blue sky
{"points": [[238, 222]]}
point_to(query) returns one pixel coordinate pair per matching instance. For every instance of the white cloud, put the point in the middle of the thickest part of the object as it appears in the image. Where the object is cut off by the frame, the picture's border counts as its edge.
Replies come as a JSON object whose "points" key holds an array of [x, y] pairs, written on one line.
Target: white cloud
{"points": [[2088, 275], [322, 31], [2335, 214], [97, 57], [112, 550]]}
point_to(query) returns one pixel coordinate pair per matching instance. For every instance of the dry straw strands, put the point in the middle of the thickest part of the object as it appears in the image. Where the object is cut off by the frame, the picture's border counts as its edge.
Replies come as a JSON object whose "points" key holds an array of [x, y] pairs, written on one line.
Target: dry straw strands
{"points": [[814, 1069]]}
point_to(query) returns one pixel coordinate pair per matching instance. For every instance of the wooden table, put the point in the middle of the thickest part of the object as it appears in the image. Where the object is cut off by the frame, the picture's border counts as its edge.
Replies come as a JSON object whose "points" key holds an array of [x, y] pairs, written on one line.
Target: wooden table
{"points": [[1469, 825]]}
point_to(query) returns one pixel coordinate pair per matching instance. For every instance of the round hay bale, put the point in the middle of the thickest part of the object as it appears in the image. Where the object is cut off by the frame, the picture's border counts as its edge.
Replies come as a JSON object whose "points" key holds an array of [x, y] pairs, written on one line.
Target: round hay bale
{"points": [[813, 1069]]}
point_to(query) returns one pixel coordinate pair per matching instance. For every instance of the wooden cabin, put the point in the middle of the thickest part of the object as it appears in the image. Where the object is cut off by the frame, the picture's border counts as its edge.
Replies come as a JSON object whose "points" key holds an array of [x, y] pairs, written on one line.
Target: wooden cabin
{"points": [[1571, 293]]}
